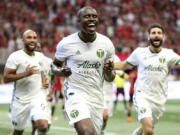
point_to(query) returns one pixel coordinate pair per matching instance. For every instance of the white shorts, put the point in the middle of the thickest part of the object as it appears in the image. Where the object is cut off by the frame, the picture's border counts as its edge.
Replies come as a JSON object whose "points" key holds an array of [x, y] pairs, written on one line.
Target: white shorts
{"points": [[21, 112], [146, 108], [34, 113], [77, 109]]}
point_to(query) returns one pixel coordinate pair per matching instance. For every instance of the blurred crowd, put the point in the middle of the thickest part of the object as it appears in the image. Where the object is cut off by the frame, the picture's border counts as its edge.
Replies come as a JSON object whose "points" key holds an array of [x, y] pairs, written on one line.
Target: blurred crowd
{"points": [[124, 21]]}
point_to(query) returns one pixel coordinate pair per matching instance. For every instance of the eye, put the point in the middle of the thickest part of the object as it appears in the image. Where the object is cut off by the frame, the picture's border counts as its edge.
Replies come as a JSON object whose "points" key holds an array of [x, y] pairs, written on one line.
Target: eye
{"points": [[86, 16], [94, 16], [29, 37]]}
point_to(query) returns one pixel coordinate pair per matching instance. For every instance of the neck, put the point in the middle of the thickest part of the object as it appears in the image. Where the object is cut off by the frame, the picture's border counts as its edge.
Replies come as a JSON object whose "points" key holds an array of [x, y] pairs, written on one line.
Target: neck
{"points": [[155, 50], [87, 37], [30, 53]]}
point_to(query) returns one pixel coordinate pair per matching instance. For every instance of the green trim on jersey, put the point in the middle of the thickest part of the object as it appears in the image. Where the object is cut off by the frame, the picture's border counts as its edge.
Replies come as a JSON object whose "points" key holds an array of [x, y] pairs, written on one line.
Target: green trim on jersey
{"points": [[178, 63], [131, 64]]}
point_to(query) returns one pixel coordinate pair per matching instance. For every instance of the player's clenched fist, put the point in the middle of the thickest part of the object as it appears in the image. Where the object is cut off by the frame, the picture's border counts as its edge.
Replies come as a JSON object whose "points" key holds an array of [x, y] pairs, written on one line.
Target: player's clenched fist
{"points": [[108, 67]]}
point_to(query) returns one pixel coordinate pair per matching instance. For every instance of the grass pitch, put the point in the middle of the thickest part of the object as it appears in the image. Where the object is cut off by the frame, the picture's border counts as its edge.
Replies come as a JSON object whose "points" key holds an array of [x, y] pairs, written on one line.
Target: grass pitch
{"points": [[169, 124]]}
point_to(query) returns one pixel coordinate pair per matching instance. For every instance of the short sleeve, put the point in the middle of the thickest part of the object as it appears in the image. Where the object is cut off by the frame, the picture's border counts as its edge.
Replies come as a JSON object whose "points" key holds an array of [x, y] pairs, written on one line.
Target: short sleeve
{"points": [[11, 62], [62, 51], [175, 59], [111, 52], [132, 59]]}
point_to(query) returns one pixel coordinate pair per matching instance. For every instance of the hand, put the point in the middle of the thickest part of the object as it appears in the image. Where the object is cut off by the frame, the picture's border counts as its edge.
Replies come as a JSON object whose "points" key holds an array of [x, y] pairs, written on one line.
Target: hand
{"points": [[66, 71], [108, 67], [49, 97], [61, 71], [31, 70]]}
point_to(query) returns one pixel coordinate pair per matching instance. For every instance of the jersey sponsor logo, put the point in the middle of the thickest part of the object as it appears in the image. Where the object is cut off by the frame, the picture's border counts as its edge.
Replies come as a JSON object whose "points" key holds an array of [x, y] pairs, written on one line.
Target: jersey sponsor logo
{"points": [[151, 68], [143, 110], [162, 60], [87, 64], [43, 106], [100, 53], [74, 113]]}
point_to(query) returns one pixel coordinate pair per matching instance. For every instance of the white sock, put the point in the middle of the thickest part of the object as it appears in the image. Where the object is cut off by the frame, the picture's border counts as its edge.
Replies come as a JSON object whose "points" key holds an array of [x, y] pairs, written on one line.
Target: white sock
{"points": [[137, 131], [36, 132]]}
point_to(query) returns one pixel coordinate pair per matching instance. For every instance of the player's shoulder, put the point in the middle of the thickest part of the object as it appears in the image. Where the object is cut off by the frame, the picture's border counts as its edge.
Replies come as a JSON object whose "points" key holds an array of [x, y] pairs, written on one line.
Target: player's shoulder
{"points": [[48, 59], [101, 36], [69, 39], [166, 50], [39, 54], [141, 49], [17, 53]]}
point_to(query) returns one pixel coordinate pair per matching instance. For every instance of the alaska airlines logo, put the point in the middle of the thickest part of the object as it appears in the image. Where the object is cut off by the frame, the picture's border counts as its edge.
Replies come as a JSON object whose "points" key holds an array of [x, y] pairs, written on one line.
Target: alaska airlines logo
{"points": [[151, 68], [87, 64], [100, 53]]}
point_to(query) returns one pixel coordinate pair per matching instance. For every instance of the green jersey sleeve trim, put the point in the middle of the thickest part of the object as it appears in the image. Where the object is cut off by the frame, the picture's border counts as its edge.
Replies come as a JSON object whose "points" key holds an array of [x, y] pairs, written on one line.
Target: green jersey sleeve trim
{"points": [[131, 64], [178, 63]]}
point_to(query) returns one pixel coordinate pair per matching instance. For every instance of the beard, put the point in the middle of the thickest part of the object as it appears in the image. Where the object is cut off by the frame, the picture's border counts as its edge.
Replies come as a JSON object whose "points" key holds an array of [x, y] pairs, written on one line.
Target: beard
{"points": [[28, 48], [154, 44]]}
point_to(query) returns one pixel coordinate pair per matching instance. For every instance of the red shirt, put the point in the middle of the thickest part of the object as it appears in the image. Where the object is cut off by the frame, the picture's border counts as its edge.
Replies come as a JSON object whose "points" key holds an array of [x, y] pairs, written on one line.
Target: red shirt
{"points": [[57, 84], [132, 78]]}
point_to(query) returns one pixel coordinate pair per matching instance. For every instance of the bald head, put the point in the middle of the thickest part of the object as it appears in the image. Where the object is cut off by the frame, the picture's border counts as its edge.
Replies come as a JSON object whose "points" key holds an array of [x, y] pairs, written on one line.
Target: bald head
{"points": [[30, 40], [27, 32]]}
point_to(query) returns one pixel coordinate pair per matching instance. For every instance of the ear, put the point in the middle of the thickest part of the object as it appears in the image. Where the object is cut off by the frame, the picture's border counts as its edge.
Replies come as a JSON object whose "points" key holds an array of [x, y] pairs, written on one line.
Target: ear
{"points": [[164, 37], [148, 38]]}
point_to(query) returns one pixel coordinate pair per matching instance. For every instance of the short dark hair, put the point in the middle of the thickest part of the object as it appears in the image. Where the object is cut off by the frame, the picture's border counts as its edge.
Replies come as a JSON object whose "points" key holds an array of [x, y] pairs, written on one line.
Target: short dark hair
{"points": [[155, 25], [82, 9]]}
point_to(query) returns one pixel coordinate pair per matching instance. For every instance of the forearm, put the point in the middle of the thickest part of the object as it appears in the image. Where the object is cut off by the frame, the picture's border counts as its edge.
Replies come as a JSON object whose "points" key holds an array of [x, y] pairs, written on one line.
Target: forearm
{"points": [[14, 77], [121, 65]]}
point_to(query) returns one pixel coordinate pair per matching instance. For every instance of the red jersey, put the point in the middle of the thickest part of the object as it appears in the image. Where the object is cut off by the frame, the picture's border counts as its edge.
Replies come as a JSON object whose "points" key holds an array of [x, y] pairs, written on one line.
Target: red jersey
{"points": [[132, 79], [57, 84]]}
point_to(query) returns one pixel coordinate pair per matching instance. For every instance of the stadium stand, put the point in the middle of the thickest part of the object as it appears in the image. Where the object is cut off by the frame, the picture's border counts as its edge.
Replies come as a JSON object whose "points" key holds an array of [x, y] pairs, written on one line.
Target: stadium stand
{"points": [[124, 21]]}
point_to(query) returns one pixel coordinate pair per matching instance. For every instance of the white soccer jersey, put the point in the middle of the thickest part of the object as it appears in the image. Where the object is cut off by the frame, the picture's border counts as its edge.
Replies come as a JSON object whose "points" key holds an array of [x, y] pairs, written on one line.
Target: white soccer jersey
{"points": [[27, 87], [86, 61], [153, 69]]}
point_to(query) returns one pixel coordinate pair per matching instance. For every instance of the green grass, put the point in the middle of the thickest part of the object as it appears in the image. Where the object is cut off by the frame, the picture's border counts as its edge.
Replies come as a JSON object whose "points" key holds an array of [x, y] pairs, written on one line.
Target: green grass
{"points": [[169, 124]]}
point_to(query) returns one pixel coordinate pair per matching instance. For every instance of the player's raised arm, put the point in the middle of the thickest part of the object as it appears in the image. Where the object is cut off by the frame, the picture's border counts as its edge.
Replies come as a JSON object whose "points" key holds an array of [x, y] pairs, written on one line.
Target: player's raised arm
{"points": [[121, 65]]}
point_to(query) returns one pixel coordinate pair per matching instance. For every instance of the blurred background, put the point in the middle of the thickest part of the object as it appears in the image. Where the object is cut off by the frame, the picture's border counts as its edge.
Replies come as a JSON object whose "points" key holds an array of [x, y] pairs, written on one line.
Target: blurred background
{"points": [[125, 22]]}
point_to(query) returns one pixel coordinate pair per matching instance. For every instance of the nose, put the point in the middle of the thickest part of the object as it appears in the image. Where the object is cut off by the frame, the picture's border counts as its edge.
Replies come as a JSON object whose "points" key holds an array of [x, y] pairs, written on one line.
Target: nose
{"points": [[91, 17]]}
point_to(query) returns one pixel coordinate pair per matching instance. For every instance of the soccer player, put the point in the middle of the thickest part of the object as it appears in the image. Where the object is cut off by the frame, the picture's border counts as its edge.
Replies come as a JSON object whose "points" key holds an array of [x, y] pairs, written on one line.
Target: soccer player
{"points": [[24, 68], [83, 59], [120, 80], [153, 64], [48, 92], [108, 100]]}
